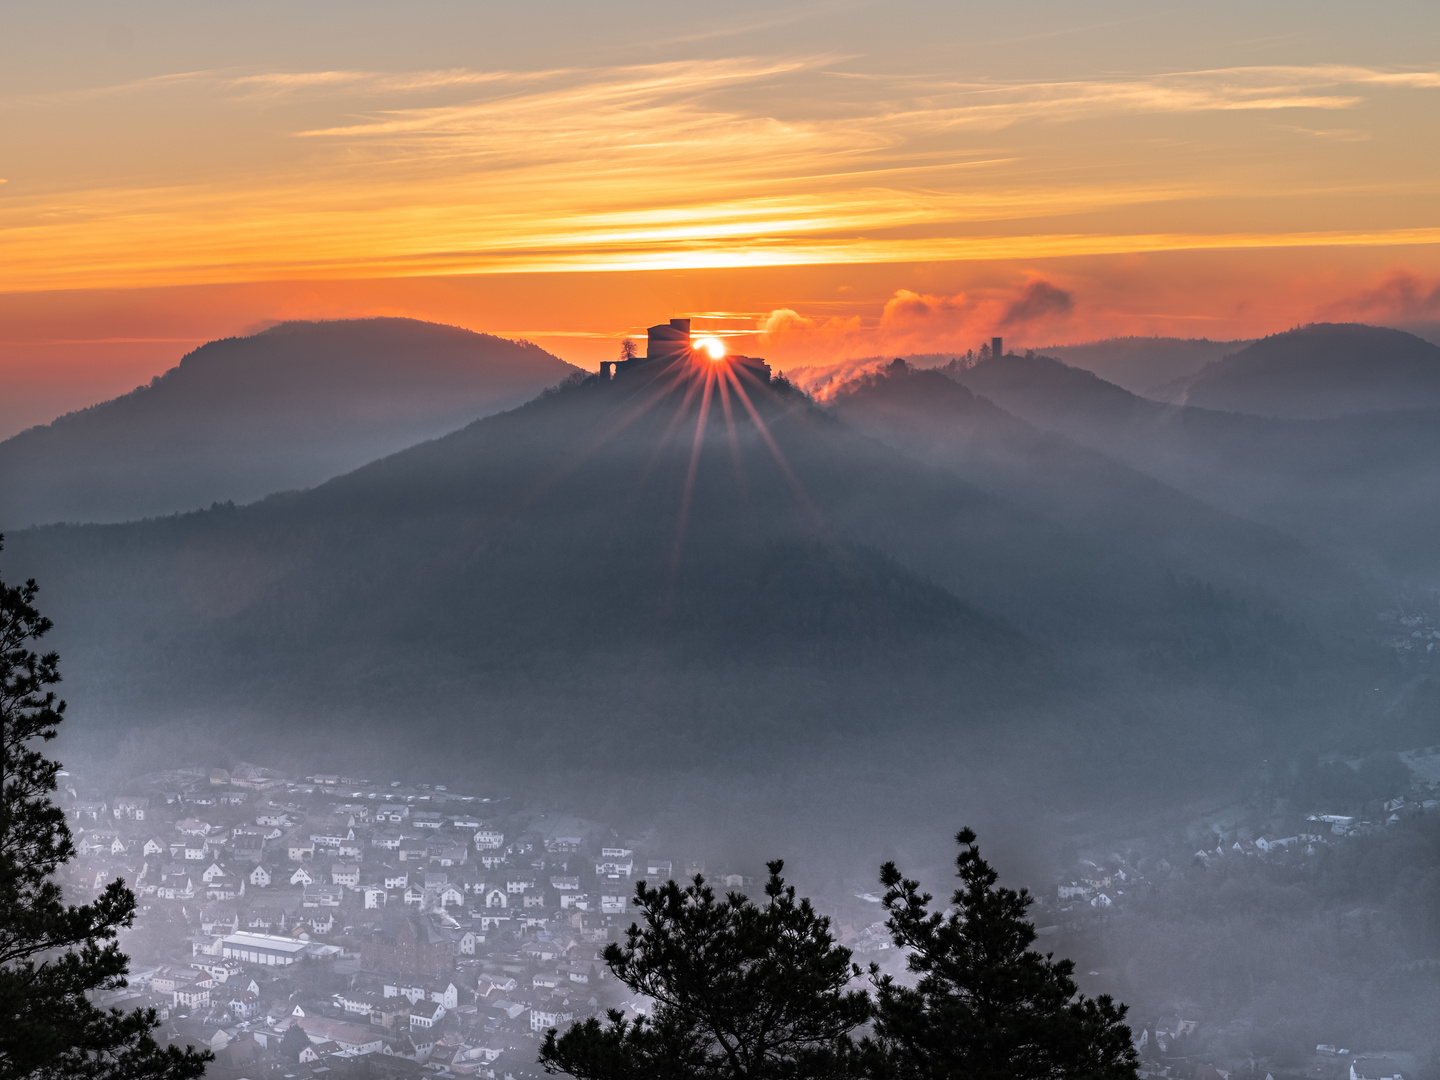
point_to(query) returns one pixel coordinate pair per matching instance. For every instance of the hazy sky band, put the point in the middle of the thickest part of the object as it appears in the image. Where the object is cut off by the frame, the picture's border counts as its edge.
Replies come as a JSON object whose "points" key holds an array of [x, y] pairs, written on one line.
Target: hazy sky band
{"points": [[861, 178], [745, 161]]}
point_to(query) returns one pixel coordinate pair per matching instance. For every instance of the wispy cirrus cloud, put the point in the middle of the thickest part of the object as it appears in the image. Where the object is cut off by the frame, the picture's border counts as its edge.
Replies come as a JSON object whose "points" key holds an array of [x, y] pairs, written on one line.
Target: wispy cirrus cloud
{"points": [[739, 161]]}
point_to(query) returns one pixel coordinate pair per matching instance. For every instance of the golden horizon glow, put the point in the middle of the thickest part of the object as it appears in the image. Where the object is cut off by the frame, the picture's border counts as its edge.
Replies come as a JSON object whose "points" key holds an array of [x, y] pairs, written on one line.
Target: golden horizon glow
{"points": [[832, 180], [708, 164]]}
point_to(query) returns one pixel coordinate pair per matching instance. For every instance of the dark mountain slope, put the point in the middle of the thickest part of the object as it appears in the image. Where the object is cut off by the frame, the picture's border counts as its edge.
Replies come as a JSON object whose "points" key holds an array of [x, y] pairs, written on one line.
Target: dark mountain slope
{"points": [[514, 589], [525, 547], [942, 422], [1365, 487], [1144, 365], [1320, 371], [244, 417]]}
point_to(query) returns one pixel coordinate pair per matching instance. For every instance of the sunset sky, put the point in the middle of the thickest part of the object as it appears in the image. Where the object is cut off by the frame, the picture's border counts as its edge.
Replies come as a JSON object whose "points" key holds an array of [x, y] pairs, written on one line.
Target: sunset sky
{"points": [[825, 180]]}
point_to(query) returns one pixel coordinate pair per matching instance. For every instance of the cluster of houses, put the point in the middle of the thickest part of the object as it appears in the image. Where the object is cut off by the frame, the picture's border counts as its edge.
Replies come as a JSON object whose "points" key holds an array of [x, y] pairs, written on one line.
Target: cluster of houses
{"points": [[333, 927], [1162, 1047], [1413, 635], [425, 932], [1101, 887]]}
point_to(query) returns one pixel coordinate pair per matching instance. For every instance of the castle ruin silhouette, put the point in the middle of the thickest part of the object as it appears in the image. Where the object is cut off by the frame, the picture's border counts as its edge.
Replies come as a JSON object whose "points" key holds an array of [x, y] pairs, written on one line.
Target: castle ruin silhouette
{"points": [[668, 345]]}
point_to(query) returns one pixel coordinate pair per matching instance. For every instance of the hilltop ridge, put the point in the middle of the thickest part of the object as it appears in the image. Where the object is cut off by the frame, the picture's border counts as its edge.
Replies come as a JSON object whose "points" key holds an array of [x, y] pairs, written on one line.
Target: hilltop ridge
{"points": [[242, 417], [1320, 371]]}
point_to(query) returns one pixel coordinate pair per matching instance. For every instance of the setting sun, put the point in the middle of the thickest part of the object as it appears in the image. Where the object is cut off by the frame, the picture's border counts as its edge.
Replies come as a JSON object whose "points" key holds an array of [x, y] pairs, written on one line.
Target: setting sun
{"points": [[713, 347]]}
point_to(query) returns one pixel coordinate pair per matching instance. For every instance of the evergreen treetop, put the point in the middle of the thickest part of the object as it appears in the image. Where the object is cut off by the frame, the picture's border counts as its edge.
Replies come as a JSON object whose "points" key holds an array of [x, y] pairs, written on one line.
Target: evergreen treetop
{"points": [[53, 954], [986, 1006]]}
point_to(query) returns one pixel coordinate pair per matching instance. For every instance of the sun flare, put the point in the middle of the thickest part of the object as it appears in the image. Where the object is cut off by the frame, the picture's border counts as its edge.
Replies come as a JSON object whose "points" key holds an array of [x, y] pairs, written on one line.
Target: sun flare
{"points": [[712, 347]]}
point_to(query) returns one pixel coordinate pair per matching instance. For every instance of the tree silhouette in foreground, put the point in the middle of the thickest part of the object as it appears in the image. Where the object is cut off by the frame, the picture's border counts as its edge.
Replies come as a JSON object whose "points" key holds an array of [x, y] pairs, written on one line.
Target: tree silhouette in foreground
{"points": [[740, 991], [986, 1006], [51, 953]]}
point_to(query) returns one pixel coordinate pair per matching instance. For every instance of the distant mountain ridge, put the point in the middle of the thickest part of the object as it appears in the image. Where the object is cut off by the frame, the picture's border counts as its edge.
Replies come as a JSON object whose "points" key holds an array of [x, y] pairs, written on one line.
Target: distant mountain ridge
{"points": [[1143, 365], [240, 418], [1320, 371], [1364, 486], [572, 558], [941, 421]]}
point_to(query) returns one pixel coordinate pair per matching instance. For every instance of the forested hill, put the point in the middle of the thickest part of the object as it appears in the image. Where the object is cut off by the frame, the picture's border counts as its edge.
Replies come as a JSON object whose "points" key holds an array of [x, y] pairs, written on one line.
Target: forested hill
{"points": [[559, 569], [1323, 370], [1364, 488], [942, 422], [1143, 365], [244, 417]]}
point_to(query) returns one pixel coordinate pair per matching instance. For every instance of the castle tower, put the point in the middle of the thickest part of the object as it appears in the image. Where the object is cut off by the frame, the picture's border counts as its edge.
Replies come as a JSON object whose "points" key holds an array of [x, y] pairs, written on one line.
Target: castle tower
{"points": [[668, 341]]}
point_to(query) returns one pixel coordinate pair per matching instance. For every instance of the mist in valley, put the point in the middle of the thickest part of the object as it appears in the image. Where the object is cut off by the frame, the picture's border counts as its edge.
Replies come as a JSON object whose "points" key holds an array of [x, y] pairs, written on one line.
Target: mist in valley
{"points": [[1172, 656]]}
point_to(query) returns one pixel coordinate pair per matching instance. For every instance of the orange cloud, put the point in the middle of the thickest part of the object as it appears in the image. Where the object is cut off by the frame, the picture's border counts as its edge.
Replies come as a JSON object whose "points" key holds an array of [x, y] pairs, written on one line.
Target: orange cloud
{"points": [[215, 177], [817, 351], [1038, 302], [1402, 296]]}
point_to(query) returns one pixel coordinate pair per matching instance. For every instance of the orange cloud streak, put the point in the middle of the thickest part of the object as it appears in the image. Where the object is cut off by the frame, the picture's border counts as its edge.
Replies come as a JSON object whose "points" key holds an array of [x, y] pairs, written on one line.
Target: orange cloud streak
{"points": [[694, 164]]}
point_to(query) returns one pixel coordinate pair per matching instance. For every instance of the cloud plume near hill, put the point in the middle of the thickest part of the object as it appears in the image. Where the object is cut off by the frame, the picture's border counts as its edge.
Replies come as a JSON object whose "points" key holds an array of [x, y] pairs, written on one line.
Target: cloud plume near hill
{"points": [[816, 351], [1401, 296]]}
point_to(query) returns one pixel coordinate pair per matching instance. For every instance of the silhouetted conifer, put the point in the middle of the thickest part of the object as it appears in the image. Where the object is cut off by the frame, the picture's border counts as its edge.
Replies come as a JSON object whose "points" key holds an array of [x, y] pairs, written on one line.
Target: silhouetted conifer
{"points": [[986, 1006], [741, 991], [53, 954]]}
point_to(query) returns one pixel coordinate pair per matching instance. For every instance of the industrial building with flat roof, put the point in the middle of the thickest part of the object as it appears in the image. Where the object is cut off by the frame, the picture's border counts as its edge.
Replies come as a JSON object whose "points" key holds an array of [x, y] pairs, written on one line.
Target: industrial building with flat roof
{"points": [[267, 949]]}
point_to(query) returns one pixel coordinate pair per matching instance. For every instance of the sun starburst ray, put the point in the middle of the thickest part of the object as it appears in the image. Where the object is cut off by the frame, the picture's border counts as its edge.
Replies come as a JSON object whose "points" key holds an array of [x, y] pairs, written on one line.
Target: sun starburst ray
{"points": [[688, 491]]}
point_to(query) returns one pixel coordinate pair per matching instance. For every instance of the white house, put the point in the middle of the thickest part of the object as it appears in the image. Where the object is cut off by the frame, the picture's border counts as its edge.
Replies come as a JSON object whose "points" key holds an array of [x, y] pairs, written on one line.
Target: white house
{"points": [[350, 1037], [615, 863], [543, 1018], [301, 850], [353, 850], [373, 895], [1374, 1069], [131, 807], [451, 895], [322, 896]]}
